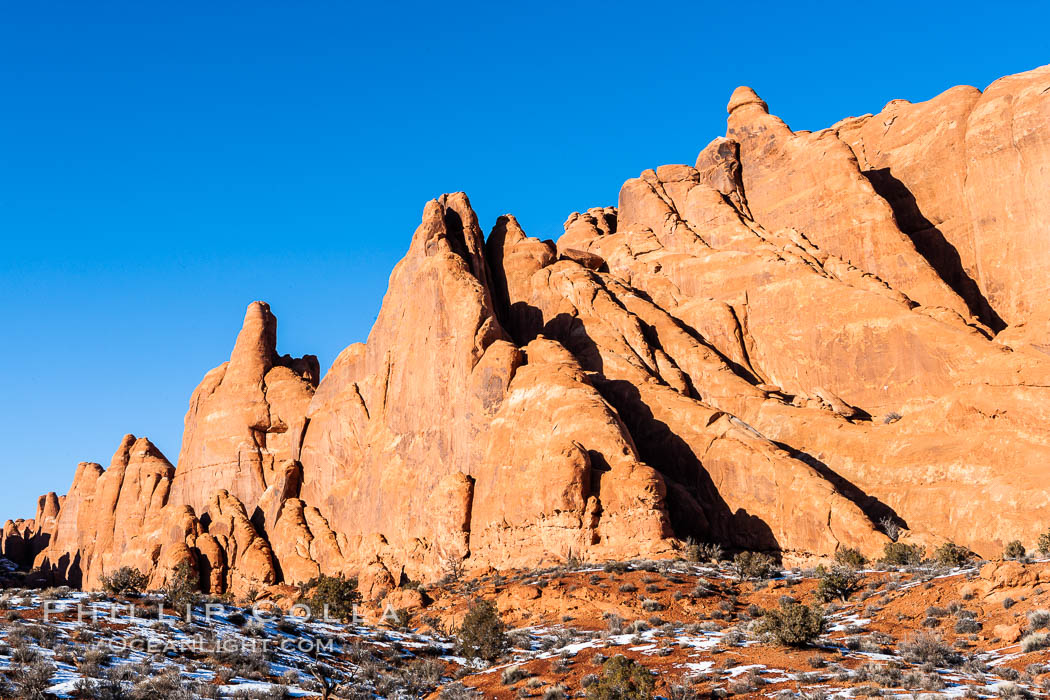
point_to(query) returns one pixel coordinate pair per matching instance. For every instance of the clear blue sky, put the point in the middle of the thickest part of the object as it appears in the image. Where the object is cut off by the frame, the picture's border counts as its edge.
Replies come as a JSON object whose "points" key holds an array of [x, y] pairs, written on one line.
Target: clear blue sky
{"points": [[164, 164]]}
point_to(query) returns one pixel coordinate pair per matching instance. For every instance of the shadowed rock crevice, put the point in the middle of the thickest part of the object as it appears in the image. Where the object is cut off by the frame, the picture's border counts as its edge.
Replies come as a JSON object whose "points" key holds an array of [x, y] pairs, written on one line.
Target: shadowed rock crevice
{"points": [[692, 492], [875, 509], [932, 245]]}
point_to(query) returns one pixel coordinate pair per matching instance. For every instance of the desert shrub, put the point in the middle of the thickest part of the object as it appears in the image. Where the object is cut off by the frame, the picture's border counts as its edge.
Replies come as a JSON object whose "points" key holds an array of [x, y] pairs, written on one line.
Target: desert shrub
{"points": [[628, 588], [1014, 550], [753, 565], [127, 580], [482, 634], [880, 674], [622, 679], [793, 624], [513, 674], [249, 662], [101, 689], [415, 680], [703, 552], [901, 554], [614, 622], [335, 596], [34, 679], [848, 556], [967, 625], [1012, 691], [424, 674], [650, 605], [890, 527], [682, 691], [398, 618], [94, 659], [951, 554], [836, 582], [23, 654], [703, 590], [1035, 642], [183, 590], [274, 692], [747, 682], [458, 691], [926, 648], [1038, 619], [43, 635], [1043, 543]]}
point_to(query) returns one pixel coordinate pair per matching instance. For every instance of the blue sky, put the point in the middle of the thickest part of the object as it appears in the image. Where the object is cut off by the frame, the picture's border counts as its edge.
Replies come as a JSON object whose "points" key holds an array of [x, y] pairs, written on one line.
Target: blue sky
{"points": [[162, 165]]}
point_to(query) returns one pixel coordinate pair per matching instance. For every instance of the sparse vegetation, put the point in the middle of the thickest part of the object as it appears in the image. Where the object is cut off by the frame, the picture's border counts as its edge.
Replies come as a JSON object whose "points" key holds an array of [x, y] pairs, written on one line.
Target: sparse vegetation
{"points": [[622, 679], [793, 624], [952, 555], [902, 554], [1014, 550], [513, 674], [482, 634], [729, 614], [927, 648], [890, 527], [703, 552], [848, 556], [1038, 619], [33, 679], [753, 565], [126, 580], [335, 596], [183, 589], [1035, 642], [837, 582]]}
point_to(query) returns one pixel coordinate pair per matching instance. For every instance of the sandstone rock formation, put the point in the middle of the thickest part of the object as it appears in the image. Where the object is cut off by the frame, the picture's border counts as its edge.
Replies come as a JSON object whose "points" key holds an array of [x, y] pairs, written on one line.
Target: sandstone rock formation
{"points": [[427, 461], [246, 418], [783, 347], [965, 174], [121, 516]]}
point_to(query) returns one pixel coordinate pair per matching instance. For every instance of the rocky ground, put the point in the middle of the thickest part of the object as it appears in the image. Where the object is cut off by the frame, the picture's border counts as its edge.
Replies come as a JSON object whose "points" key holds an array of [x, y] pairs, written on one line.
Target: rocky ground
{"points": [[916, 631]]}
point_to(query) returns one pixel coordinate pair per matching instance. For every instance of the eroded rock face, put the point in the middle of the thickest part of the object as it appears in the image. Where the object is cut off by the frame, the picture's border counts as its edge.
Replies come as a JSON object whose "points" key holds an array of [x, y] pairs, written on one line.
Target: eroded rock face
{"points": [[811, 182], [246, 418], [780, 347], [965, 173], [121, 516], [430, 461]]}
